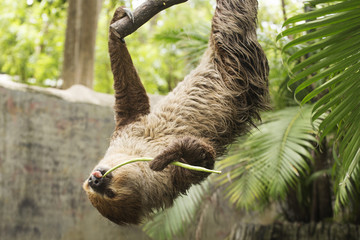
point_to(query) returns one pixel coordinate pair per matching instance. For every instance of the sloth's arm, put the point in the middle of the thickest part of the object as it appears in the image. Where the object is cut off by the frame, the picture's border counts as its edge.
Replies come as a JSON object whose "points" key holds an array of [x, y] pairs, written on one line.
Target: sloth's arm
{"points": [[188, 150], [131, 100]]}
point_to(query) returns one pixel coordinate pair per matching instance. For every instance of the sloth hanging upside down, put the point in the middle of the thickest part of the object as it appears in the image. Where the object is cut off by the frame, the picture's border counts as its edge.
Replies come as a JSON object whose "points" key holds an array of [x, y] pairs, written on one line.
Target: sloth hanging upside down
{"points": [[193, 124]]}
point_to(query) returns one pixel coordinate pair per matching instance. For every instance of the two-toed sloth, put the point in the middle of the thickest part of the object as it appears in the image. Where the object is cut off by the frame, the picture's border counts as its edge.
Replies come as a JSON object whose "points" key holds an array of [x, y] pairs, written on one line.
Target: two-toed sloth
{"points": [[194, 123]]}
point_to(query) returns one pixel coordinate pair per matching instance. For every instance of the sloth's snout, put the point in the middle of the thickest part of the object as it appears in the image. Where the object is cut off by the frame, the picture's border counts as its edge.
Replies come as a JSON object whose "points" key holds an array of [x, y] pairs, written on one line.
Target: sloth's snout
{"points": [[97, 181]]}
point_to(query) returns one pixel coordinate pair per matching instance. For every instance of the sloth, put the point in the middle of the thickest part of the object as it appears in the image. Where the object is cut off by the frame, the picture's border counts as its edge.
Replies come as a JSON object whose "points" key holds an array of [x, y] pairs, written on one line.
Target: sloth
{"points": [[217, 102]]}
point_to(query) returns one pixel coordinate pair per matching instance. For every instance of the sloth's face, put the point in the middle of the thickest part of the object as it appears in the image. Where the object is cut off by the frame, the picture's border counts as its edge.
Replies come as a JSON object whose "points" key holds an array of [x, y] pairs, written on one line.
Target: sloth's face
{"points": [[116, 196]]}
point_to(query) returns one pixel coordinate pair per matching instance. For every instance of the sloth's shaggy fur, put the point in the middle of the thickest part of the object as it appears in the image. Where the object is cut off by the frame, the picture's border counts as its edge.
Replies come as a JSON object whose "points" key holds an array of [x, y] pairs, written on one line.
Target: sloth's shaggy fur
{"points": [[214, 104]]}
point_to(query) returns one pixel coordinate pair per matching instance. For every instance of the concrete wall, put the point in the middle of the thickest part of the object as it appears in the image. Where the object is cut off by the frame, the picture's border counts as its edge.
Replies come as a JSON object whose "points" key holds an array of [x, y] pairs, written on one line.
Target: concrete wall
{"points": [[49, 141]]}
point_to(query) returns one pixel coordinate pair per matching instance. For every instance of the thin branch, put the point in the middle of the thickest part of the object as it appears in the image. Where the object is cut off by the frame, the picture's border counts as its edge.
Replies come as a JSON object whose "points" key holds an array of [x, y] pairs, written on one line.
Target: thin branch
{"points": [[142, 14], [283, 9]]}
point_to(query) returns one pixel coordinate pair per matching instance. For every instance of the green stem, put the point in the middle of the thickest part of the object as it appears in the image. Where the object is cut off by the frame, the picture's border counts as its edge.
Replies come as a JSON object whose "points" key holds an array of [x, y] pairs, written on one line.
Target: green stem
{"points": [[176, 163], [195, 168]]}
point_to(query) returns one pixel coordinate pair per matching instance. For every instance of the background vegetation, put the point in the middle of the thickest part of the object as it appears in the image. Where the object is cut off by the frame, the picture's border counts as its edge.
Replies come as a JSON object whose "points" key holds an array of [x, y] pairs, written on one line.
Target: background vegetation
{"points": [[167, 48]]}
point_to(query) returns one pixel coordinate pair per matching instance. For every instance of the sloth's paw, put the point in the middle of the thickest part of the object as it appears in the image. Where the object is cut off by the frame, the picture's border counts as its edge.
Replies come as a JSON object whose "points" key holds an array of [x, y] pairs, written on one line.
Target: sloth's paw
{"points": [[165, 158], [121, 12], [188, 150], [196, 152]]}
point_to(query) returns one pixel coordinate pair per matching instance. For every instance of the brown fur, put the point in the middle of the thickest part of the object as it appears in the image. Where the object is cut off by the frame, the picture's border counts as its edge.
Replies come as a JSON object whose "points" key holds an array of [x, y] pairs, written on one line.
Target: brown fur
{"points": [[214, 104]]}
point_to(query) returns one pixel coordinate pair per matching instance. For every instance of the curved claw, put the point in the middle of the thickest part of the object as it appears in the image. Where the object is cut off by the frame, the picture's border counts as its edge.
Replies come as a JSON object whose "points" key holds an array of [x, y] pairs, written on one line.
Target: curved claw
{"points": [[130, 14], [120, 13]]}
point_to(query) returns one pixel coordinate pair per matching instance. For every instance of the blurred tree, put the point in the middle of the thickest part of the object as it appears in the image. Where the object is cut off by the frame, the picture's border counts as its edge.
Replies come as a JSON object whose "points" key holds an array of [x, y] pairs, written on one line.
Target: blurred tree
{"points": [[283, 8], [79, 51], [31, 38]]}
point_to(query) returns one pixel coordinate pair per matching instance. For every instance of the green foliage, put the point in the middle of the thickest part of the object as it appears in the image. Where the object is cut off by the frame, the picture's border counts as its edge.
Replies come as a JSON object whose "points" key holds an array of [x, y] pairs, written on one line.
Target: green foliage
{"points": [[269, 160], [331, 72], [269, 25], [278, 76], [103, 81], [31, 36], [191, 41], [176, 220]]}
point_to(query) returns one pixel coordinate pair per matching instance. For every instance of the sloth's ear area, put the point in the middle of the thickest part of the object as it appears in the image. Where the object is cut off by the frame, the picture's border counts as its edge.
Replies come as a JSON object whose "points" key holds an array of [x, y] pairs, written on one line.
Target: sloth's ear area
{"points": [[190, 150]]}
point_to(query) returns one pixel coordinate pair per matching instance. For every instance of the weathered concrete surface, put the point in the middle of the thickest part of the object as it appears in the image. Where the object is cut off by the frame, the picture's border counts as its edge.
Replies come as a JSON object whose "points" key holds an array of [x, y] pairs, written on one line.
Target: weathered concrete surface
{"points": [[49, 141]]}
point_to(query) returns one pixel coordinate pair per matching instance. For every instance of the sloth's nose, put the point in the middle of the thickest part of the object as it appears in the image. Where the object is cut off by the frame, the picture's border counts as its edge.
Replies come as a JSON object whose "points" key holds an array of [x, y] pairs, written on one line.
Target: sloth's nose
{"points": [[97, 181]]}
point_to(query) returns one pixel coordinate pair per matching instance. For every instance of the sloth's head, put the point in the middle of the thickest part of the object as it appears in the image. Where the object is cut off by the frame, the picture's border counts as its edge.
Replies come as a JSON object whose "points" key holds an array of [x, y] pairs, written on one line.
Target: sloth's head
{"points": [[116, 196]]}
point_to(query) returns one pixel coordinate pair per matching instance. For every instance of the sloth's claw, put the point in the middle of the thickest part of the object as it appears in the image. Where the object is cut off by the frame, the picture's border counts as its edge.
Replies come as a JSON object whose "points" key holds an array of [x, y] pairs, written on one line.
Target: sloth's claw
{"points": [[130, 14], [119, 14]]}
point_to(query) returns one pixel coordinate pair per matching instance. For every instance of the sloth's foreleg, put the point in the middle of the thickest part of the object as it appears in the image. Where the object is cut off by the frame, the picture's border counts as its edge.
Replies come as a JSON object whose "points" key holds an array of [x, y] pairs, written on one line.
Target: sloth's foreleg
{"points": [[131, 100]]}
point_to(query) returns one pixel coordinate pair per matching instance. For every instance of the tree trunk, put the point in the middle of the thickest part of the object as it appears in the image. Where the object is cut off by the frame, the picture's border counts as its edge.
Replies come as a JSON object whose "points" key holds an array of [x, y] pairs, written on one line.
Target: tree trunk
{"points": [[283, 8], [321, 197], [295, 210], [79, 51]]}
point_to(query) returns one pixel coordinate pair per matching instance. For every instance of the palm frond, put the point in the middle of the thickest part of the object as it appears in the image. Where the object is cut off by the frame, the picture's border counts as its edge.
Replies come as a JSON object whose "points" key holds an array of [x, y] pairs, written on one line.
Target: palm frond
{"points": [[332, 73], [271, 158], [174, 221]]}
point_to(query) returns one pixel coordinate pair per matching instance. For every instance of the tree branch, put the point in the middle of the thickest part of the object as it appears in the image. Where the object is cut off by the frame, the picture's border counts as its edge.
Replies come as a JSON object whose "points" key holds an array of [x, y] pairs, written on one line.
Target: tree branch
{"points": [[142, 14]]}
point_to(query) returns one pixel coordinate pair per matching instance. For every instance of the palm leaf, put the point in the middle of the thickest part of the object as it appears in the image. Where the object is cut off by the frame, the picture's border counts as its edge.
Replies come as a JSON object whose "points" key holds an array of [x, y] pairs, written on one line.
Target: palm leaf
{"points": [[270, 159], [174, 221], [332, 73]]}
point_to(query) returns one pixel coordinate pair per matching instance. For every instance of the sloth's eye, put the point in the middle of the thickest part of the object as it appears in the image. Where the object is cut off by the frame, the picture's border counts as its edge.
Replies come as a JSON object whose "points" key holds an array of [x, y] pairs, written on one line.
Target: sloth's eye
{"points": [[109, 193]]}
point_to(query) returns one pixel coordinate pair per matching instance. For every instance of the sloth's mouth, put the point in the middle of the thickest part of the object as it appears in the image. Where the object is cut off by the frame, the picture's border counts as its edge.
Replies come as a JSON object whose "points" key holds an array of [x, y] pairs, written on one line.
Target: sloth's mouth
{"points": [[97, 182]]}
